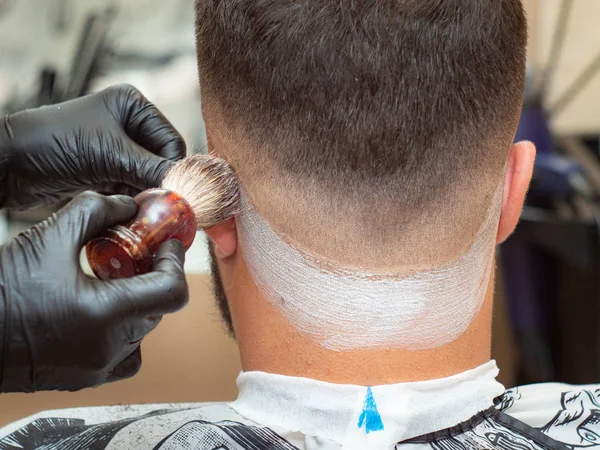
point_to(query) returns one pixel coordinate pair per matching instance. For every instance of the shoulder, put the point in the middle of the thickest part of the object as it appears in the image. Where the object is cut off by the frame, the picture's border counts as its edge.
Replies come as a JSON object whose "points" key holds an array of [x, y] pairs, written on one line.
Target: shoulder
{"points": [[567, 413], [213, 425], [103, 423]]}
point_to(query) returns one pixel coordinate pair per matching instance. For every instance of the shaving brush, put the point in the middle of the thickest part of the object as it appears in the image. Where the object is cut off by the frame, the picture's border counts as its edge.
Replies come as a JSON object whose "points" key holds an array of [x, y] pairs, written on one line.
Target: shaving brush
{"points": [[196, 193]]}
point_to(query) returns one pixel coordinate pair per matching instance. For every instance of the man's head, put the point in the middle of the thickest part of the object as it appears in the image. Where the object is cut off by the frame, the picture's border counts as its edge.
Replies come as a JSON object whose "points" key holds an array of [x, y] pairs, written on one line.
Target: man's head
{"points": [[371, 133]]}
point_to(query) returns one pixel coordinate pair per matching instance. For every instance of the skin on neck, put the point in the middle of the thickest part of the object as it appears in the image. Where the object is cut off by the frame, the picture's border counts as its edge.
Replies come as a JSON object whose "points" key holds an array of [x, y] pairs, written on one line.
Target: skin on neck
{"points": [[268, 343]]}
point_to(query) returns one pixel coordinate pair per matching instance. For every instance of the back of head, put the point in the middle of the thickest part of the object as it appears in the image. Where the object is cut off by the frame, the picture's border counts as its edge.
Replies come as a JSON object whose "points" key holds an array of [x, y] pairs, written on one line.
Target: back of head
{"points": [[372, 132]]}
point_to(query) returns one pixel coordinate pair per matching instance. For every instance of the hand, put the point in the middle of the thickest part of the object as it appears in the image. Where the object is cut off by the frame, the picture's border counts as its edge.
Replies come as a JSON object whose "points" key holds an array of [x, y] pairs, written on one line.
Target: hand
{"points": [[63, 330], [112, 141]]}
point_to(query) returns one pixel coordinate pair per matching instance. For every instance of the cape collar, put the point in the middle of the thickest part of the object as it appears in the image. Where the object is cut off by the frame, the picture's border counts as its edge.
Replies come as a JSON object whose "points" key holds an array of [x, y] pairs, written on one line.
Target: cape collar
{"points": [[366, 416]]}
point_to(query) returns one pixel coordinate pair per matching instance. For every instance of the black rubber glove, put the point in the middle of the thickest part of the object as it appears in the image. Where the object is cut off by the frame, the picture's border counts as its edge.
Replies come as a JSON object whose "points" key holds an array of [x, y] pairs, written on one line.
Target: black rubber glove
{"points": [[63, 330], [106, 142]]}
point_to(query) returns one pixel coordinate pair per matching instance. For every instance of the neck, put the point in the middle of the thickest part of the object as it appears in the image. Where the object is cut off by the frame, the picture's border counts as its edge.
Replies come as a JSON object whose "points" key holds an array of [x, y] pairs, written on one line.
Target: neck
{"points": [[268, 343]]}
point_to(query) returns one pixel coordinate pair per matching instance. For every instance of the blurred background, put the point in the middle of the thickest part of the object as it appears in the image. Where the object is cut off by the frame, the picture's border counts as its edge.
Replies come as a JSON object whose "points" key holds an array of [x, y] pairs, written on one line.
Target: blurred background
{"points": [[548, 290]]}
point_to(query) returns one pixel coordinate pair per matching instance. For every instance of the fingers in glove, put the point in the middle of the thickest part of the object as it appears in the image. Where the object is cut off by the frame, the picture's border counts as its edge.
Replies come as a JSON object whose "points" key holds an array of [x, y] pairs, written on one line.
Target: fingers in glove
{"points": [[138, 168], [116, 189], [146, 125], [153, 294], [128, 367], [138, 329]]}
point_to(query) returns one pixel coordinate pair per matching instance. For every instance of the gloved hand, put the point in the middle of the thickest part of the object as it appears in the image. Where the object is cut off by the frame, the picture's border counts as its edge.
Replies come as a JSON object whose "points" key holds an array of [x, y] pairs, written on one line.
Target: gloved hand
{"points": [[63, 330], [106, 142]]}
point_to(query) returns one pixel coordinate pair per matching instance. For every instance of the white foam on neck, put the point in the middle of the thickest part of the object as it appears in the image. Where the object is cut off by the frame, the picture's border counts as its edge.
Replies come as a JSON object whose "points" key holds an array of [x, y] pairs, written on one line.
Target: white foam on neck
{"points": [[344, 310]]}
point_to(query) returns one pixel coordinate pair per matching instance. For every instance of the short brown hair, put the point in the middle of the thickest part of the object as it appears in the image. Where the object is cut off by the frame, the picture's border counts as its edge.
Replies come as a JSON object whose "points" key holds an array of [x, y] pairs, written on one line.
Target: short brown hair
{"points": [[382, 108]]}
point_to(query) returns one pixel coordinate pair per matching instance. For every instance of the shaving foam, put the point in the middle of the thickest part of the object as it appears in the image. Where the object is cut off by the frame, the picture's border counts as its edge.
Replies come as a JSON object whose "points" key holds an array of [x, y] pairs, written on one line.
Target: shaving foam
{"points": [[342, 309]]}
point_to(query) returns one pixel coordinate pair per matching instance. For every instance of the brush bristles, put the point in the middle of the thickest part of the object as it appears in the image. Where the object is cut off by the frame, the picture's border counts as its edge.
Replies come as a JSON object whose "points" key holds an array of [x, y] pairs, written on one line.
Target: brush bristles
{"points": [[208, 184]]}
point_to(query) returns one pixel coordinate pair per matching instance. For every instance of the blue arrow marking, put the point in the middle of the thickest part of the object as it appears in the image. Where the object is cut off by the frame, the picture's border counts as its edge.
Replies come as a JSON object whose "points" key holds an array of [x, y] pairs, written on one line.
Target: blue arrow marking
{"points": [[370, 416]]}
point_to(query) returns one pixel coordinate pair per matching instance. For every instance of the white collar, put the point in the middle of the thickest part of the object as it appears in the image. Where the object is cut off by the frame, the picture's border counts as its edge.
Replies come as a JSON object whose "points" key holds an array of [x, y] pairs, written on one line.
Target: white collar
{"points": [[363, 417]]}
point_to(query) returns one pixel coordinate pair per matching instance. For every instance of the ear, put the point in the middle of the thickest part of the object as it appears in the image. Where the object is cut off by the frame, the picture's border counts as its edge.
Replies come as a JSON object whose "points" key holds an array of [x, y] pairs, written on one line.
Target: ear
{"points": [[224, 237], [518, 176]]}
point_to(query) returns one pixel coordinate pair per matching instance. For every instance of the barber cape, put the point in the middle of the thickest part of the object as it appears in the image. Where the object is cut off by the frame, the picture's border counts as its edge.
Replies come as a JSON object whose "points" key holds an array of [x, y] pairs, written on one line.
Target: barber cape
{"points": [[466, 411]]}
